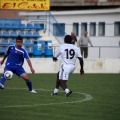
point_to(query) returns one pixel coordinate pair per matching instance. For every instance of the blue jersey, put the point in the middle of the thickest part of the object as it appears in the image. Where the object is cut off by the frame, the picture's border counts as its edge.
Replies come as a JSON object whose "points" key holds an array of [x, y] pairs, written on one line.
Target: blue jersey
{"points": [[16, 56]]}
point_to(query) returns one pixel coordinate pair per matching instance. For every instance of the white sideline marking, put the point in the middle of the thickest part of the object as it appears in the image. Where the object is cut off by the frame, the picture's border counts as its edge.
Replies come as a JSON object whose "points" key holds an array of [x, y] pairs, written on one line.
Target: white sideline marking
{"points": [[87, 98]]}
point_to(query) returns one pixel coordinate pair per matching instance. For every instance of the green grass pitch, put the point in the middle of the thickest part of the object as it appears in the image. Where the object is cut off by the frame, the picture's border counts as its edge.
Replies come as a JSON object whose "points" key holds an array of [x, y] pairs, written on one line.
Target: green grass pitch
{"points": [[17, 103]]}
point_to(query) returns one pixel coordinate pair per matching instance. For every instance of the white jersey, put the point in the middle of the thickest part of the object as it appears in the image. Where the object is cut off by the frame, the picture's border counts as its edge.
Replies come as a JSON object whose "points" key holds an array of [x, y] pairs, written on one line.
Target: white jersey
{"points": [[68, 53]]}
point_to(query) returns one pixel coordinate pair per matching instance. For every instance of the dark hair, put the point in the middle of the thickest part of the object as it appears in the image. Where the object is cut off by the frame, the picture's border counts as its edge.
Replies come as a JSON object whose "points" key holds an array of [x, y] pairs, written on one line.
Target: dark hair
{"points": [[68, 39], [19, 37]]}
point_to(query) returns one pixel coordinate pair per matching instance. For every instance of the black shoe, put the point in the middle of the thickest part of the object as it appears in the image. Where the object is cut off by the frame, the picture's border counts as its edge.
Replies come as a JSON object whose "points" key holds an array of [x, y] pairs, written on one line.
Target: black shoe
{"points": [[67, 94], [53, 93]]}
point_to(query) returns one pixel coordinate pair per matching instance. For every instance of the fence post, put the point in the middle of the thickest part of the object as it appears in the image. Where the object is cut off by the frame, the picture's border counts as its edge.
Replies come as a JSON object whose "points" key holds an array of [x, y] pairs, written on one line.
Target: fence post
{"points": [[99, 51]]}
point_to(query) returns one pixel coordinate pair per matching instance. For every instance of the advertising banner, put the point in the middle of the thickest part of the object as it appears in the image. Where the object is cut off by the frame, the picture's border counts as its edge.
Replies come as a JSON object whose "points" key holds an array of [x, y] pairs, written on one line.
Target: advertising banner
{"points": [[25, 4]]}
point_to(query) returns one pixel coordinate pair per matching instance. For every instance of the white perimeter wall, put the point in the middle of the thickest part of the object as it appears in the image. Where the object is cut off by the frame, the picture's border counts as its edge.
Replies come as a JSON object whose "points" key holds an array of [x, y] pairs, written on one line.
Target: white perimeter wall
{"points": [[46, 65]]}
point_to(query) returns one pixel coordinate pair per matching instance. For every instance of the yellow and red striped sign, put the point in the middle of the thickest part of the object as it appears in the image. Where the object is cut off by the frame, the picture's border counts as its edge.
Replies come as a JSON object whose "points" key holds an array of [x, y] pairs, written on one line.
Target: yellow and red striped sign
{"points": [[25, 4]]}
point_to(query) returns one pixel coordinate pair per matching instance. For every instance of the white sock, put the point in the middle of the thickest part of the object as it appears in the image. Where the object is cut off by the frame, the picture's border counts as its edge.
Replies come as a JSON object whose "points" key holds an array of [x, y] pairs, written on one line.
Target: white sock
{"points": [[67, 90], [55, 90]]}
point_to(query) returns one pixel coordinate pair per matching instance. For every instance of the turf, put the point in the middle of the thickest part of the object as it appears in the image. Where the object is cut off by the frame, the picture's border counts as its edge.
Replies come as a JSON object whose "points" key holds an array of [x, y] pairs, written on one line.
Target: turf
{"points": [[17, 103]]}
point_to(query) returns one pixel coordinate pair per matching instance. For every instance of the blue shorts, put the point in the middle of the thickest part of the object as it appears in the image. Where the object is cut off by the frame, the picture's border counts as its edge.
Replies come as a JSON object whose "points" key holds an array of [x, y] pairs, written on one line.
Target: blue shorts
{"points": [[18, 70]]}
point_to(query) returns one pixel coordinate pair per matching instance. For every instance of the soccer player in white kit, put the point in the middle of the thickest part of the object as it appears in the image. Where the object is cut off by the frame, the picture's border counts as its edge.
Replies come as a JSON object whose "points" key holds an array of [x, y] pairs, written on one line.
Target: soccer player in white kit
{"points": [[68, 53]]}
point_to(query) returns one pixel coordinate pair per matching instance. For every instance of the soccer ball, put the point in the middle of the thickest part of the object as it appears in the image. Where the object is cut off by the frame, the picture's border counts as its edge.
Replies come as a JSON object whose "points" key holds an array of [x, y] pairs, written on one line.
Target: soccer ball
{"points": [[8, 75]]}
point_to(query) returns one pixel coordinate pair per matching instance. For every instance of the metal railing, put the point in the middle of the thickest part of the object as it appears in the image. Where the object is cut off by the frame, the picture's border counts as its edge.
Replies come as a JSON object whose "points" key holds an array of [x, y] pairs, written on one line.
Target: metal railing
{"points": [[100, 51], [54, 27]]}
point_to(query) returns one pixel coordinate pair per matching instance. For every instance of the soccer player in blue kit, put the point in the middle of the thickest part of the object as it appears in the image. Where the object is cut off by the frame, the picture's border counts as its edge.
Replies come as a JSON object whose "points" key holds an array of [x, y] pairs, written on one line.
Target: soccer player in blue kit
{"points": [[15, 58]]}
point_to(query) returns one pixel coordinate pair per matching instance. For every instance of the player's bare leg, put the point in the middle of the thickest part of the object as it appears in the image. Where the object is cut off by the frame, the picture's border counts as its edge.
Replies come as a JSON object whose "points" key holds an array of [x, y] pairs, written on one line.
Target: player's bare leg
{"points": [[57, 81], [65, 88], [63, 84], [28, 82], [57, 85]]}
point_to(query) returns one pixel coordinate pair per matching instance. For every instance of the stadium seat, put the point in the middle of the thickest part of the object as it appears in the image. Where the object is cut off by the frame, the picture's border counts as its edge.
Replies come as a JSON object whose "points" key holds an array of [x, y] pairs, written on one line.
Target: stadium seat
{"points": [[15, 26], [12, 42], [37, 27], [42, 26], [3, 50], [36, 34], [1, 35], [28, 35], [30, 26], [27, 42], [13, 34], [22, 26], [29, 50], [32, 49], [7, 26], [4, 42], [32, 42], [21, 34], [1, 26], [6, 34]]}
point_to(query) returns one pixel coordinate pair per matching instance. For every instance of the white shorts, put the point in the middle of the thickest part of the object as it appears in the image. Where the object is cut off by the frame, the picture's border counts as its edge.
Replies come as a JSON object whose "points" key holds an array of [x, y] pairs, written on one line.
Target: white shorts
{"points": [[65, 71]]}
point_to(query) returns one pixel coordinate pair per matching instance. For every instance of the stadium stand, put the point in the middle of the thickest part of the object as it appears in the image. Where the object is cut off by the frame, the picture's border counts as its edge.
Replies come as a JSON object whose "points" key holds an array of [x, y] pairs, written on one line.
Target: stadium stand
{"points": [[36, 34], [11, 28], [6, 35], [37, 27], [3, 50], [29, 50], [1, 26], [22, 26], [13, 35], [7, 26], [1, 35], [4, 42], [21, 34], [12, 42], [15, 26], [28, 35], [30, 26], [27, 42]]}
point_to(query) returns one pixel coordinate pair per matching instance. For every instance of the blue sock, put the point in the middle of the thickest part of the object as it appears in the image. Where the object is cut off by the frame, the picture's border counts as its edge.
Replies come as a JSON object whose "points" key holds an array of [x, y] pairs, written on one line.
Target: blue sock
{"points": [[29, 84], [2, 80]]}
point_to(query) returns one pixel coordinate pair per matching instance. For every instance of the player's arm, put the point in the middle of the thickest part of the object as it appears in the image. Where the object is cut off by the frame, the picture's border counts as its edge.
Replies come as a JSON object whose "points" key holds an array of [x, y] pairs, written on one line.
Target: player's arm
{"points": [[57, 53], [81, 64], [90, 42], [30, 65], [28, 61], [5, 56], [79, 42]]}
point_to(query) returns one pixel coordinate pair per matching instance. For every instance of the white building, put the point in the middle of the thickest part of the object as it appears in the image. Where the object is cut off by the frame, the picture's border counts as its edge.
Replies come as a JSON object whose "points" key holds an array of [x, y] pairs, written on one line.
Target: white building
{"points": [[103, 27]]}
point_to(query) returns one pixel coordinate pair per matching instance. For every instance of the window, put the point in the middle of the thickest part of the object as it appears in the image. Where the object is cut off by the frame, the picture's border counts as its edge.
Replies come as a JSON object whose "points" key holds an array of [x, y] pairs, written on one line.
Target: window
{"points": [[92, 29], [59, 29], [117, 28], [101, 29], [76, 28], [83, 28]]}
